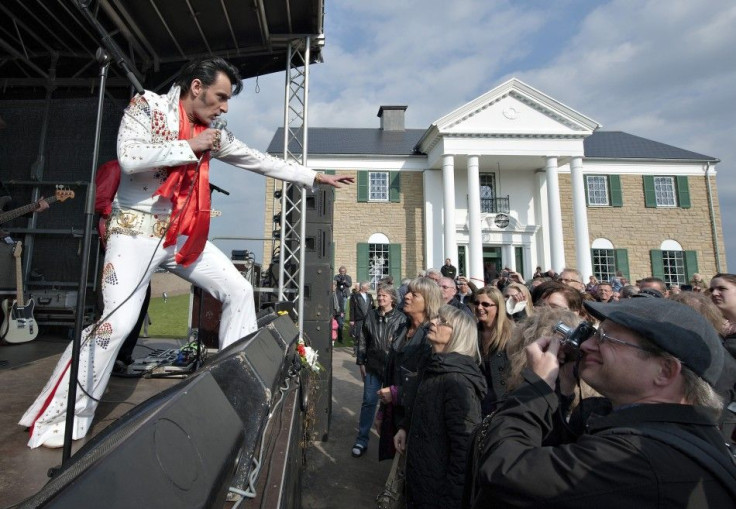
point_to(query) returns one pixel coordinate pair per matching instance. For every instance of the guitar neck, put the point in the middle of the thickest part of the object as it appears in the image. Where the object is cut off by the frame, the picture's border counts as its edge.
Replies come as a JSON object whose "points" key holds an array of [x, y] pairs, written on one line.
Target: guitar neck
{"points": [[25, 209], [19, 279]]}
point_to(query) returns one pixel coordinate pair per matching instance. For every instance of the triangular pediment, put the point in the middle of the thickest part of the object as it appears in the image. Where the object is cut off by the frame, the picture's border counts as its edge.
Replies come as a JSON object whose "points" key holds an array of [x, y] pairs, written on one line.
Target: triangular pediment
{"points": [[512, 109]]}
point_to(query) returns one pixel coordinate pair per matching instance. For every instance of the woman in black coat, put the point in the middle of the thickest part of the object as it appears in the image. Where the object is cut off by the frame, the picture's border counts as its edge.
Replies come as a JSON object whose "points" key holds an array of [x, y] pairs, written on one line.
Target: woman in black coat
{"points": [[446, 409], [406, 360]]}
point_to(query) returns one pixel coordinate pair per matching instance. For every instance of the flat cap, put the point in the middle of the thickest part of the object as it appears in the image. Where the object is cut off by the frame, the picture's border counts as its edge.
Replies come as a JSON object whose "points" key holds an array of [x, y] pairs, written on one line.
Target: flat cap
{"points": [[674, 327]]}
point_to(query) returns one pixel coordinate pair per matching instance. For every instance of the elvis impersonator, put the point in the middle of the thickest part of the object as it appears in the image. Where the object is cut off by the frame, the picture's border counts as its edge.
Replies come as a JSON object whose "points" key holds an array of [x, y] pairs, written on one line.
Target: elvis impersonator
{"points": [[160, 218]]}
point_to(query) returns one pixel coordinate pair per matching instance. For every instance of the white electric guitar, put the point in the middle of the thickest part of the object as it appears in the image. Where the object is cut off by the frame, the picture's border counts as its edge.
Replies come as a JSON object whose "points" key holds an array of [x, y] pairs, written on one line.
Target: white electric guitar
{"points": [[19, 326]]}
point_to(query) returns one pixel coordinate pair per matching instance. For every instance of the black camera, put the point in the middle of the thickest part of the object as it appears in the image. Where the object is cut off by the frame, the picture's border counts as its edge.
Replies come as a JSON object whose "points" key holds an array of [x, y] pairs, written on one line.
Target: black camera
{"points": [[571, 339]]}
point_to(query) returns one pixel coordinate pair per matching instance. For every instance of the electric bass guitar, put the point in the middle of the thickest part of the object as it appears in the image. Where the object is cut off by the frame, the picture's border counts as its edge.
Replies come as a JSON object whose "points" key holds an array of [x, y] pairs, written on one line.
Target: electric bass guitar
{"points": [[19, 326], [60, 195]]}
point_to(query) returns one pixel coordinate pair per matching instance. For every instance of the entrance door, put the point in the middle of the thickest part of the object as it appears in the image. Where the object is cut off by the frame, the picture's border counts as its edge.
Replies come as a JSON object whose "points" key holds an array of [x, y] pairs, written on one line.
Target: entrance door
{"points": [[491, 263]]}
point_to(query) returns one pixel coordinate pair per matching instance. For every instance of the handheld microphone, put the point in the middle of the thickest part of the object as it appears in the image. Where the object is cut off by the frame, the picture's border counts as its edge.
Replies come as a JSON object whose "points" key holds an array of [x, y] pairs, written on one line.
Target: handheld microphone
{"points": [[219, 123]]}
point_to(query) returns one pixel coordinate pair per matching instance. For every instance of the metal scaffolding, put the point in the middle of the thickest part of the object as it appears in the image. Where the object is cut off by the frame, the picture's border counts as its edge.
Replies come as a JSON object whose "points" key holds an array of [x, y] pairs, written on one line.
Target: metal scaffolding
{"points": [[289, 199]]}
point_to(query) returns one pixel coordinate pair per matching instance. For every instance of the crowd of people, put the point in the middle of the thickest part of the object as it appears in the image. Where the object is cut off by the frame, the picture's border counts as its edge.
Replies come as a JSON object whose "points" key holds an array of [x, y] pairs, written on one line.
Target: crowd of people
{"points": [[552, 392]]}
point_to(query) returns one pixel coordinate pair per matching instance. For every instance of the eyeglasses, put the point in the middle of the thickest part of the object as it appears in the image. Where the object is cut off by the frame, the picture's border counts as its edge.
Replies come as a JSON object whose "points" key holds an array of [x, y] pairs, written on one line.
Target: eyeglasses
{"points": [[445, 287], [602, 337], [442, 321], [485, 304]]}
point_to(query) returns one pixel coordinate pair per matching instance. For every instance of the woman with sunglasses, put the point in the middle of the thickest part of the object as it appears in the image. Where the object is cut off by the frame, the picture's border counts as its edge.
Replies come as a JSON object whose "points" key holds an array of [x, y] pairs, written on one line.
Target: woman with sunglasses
{"points": [[406, 359], [446, 410], [494, 331]]}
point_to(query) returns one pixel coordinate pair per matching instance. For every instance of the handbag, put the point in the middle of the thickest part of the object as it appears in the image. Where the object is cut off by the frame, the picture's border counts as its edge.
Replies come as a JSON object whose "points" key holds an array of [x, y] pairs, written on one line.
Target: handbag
{"points": [[392, 496]]}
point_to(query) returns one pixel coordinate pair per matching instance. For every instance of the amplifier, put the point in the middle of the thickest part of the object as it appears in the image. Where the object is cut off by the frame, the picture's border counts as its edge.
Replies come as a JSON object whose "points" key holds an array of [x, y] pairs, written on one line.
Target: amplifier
{"points": [[66, 299]]}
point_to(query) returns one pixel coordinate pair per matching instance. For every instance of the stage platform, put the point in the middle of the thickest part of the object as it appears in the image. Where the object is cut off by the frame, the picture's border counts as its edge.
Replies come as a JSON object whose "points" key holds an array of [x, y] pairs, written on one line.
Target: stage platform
{"points": [[331, 477], [26, 369]]}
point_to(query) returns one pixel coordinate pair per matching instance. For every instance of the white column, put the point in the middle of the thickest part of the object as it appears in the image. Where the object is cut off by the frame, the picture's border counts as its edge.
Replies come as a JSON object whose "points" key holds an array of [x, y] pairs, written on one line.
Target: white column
{"points": [[508, 256], [580, 216], [475, 249], [557, 243], [448, 186], [529, 264], [542, 211]]}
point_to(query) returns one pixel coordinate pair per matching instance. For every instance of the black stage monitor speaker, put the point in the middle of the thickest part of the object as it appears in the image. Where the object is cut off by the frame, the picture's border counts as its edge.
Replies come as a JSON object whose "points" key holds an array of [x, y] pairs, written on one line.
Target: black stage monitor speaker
{"points": [[177, 449], [317, 292], [319, 334], [250, 373]]}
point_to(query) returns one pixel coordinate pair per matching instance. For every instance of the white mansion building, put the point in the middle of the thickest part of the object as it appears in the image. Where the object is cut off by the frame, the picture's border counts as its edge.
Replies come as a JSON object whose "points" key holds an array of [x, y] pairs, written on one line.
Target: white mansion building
{"points": [[517, 179]]}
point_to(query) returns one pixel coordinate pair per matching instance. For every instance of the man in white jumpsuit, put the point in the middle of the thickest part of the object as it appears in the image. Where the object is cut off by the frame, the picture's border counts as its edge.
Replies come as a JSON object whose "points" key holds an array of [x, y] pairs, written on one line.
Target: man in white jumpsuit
{"points": [[160, 218]]}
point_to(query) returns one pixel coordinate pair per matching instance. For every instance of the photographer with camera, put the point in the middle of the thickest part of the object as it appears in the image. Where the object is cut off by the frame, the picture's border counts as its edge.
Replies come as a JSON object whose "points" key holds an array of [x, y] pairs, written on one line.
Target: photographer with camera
{"points": [[343, 283], [656, 361]]}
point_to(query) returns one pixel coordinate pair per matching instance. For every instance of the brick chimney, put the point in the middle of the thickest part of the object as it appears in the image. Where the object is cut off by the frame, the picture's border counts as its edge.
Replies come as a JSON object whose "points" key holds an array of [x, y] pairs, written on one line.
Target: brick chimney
{"points": [[392, 117]]}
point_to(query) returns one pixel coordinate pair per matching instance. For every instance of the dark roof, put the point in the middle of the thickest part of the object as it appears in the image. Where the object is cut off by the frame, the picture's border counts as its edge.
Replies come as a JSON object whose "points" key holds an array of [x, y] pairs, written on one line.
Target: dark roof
{"points": [[621, 145], [53, 43], [342, 141], [365, 141]]}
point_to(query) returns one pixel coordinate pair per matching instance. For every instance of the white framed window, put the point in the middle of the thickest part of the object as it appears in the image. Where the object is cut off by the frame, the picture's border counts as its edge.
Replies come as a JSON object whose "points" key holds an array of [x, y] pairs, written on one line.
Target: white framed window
{"points": [[597, 186], [664, 191], [378, 186], [379, 258], [674, 267], [487, 192], [673, 263], [604, 259]]}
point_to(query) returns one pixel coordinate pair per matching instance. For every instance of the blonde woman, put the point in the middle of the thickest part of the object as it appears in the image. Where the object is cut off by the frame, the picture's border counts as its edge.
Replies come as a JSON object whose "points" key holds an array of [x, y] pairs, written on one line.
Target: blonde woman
{"points": [[494, 332], [406, 359], [446, 410], [518, 301]]}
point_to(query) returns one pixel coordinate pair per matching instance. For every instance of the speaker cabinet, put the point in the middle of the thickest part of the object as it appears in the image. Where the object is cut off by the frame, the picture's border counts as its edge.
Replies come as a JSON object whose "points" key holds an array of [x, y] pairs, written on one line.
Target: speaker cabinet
{"points": [[317, 292], [319, 334], [250, 373], [320, 205], [177, 449]]}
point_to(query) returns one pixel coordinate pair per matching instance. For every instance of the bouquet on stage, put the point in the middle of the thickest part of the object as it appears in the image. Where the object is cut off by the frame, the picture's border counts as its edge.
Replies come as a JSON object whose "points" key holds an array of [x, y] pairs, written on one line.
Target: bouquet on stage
{"points": [[308, 356]]}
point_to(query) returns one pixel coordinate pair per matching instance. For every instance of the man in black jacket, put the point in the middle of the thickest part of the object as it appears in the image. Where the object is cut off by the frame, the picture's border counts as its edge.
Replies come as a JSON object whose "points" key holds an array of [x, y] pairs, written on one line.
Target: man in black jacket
{"points": [[656, 361], [382, 327], [361, 303]]}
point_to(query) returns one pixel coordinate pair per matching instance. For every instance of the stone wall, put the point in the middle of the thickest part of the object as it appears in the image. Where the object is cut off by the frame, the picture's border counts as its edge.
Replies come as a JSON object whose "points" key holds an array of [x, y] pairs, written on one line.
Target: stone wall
{"points": [[639, 229], [402, 223]]}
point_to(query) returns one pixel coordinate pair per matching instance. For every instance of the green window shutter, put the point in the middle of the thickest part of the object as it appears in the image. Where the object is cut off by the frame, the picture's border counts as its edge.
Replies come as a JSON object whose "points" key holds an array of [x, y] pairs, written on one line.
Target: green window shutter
{"points": [[683, 193], [585, 186], [362, 274], [657, 263], [614, 191], [650, 198], [621, 258], [394, 260], [691, 264], [362, 186], [394, 182]]}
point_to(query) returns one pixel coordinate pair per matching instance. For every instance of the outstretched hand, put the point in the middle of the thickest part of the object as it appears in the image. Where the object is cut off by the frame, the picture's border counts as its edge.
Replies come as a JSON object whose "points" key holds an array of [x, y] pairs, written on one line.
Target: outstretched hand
{"points": [[335, 180]]}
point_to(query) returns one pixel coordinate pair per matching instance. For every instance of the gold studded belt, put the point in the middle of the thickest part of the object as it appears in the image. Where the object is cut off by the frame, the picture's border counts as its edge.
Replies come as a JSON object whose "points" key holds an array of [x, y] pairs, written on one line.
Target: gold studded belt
{"points": [[134, 222]]}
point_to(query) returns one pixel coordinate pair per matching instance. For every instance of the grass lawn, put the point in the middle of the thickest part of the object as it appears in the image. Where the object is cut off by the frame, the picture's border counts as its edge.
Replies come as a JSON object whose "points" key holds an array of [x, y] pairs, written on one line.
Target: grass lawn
{"points": [[169, 319]]}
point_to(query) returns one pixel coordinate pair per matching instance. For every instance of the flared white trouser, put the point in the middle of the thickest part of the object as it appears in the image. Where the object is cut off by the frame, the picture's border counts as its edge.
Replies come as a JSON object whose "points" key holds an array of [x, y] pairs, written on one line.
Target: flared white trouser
{"points": [[127, 273]]}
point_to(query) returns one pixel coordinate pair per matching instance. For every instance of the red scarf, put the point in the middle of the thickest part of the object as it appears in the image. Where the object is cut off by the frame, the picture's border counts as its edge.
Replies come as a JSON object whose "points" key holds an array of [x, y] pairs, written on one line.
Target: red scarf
{"points": [[191, 218]]}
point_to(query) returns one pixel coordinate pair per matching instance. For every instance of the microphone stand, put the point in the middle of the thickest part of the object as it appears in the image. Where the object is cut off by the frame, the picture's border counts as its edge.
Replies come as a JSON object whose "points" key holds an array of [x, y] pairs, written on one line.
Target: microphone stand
{"points": [[112, 48], [89, 209]]}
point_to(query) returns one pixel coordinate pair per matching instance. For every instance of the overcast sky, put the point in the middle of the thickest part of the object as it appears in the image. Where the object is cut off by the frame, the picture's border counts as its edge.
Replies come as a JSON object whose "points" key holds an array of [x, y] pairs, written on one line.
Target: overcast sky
{"points": [[661, 69]]}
